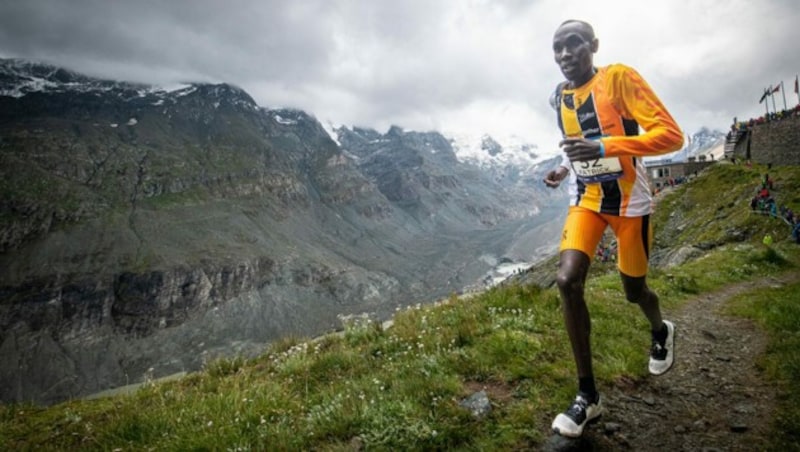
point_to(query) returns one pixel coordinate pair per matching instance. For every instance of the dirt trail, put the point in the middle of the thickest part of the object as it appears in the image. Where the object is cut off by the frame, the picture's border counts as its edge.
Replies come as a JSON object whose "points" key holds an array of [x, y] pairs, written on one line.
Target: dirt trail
{"points": [[713, 399]]}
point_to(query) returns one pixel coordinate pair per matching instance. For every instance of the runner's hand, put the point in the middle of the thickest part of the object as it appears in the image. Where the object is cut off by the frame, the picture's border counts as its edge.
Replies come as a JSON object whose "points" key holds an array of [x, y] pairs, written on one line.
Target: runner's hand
{"points": [[554, 177], [580, 149]]}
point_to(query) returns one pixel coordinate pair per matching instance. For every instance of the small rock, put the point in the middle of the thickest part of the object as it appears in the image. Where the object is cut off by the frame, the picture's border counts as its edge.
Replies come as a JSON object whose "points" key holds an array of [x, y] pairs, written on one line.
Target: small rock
{"points": [[699, 425], [649, 400], [623, 440], [478, 404], [356, 443], [679, 429], [709, 335], [738, 427], [611, 427], [558, 443]]}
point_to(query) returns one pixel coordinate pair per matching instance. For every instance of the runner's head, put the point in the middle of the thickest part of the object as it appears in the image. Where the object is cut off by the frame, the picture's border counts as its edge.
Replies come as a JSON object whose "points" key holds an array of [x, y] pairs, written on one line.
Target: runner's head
{"points": [[574, 45]]}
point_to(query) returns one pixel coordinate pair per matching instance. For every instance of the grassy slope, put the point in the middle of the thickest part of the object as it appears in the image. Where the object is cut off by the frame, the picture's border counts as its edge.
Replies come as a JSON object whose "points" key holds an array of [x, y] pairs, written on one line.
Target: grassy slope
{"points": [[400, 387], [777, 310]]}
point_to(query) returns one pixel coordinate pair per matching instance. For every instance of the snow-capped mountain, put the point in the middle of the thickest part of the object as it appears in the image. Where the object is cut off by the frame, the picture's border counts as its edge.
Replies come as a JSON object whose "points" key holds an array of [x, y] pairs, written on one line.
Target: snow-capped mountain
{"points": [[487, 151], [19, 77], [512, 161], [22, 77], [702, 144], [704, 141]]}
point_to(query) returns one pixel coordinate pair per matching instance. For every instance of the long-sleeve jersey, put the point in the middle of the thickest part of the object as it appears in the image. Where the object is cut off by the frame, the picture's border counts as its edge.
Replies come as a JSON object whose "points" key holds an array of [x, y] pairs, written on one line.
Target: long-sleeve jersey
{"points": [[611, 107]]}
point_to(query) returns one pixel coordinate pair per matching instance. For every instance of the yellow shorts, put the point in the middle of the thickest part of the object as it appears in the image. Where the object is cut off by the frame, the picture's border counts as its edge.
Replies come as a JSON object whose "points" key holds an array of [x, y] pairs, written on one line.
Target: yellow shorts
{"points": [[584, 229]]}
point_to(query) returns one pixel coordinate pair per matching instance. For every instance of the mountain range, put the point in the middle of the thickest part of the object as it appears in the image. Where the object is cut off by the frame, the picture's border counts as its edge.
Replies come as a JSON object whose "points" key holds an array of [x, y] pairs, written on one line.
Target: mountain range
{"points": [[148, 230]]}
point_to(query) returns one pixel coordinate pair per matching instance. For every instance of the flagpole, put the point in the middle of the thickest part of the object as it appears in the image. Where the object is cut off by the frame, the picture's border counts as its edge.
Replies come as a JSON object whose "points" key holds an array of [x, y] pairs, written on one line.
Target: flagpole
{"points": [[783, 91], [772, 96], [797, 88]]}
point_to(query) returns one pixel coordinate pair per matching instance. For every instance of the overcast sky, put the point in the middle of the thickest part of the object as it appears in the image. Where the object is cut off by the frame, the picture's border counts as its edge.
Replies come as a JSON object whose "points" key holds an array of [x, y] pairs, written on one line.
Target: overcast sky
{"points": [[449, 65]]}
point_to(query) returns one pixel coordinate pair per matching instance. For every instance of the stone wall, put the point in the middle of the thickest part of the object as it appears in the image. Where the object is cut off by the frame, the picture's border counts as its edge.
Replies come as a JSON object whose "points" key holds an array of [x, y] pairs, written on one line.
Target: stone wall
{"points": [[776, 142]]}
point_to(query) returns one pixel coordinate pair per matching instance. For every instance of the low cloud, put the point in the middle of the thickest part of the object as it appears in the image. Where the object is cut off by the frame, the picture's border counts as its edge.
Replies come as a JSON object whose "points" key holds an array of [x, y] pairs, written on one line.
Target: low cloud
{"points": [[478, 65]]}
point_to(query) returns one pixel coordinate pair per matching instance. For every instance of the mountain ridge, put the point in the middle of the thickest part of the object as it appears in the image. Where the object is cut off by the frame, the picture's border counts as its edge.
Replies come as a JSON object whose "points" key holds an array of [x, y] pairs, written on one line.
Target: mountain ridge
{"points": [[164, 228]]}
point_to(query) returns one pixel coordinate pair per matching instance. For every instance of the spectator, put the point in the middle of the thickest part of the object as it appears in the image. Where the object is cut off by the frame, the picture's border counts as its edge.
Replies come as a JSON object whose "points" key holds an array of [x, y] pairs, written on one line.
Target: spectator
{"points": [[766, 182], [796, 230]]}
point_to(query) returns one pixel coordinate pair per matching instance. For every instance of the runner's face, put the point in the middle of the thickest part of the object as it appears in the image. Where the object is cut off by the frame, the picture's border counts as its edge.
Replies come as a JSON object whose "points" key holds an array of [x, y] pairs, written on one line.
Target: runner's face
{"points": [[573, 48]]}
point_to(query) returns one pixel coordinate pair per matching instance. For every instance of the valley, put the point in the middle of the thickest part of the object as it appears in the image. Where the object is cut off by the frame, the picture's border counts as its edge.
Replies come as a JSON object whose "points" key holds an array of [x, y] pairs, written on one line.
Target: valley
{"points": [[145, 232]]}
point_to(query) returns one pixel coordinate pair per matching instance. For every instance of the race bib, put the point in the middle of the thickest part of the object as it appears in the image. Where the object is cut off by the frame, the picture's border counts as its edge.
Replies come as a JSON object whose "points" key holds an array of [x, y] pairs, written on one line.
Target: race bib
{"points": [[598, 170]]}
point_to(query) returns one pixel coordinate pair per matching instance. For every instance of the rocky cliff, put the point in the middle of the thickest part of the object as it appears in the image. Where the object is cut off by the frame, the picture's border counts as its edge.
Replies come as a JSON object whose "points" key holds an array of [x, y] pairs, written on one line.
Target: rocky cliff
{"points": [[145, 231]]}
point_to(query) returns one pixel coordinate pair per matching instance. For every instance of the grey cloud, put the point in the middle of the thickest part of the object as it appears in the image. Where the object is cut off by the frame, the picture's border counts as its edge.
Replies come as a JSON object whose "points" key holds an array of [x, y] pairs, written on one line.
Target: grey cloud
{"points": [[379, 62], [240, 40]]}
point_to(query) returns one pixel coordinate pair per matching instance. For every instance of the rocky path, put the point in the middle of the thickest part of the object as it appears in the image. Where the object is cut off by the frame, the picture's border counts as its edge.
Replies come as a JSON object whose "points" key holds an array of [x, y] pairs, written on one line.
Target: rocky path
{"points": [[713, 399]]}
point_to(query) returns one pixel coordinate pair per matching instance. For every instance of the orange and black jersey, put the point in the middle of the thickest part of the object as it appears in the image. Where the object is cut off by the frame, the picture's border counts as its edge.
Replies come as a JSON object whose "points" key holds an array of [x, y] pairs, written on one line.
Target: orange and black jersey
{"points": [[611, 107]]}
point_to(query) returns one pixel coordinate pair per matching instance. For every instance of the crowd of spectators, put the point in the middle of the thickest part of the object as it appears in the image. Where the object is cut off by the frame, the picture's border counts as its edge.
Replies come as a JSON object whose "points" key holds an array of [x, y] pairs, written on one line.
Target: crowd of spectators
{"points": [[742, 126], [607, 253], [763, 202]]}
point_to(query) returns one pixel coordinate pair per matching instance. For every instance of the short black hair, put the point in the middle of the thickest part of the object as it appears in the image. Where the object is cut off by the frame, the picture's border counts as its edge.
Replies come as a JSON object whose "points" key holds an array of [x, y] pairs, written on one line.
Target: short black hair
{"points": [[585, 24]]}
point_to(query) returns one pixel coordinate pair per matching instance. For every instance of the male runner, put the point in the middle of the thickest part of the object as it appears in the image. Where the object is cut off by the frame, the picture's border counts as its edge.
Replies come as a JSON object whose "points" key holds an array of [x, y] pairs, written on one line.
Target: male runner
{"points": [[600, 111]]}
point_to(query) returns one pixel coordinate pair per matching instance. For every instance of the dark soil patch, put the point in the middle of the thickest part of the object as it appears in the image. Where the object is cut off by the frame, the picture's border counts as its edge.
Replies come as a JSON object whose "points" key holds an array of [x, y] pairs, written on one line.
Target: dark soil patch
{"points": [[713, 399]]}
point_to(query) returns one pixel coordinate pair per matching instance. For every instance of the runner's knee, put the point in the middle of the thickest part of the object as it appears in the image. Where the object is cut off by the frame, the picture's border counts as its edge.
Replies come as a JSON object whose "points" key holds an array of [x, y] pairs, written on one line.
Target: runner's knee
{"points": [[568, 281], [640, 296], [636, 290], [635, 298], [572, 269]]}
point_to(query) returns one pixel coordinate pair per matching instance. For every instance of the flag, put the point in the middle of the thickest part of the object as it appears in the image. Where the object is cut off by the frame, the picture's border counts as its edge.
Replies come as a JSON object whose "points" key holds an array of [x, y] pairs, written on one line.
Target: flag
{"points": [[796, 85], [764, 96], [776, 89]]}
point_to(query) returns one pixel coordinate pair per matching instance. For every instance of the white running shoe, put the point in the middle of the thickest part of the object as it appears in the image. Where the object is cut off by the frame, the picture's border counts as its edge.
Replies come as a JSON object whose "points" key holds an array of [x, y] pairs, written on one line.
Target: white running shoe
{"points": [[662, 356], [571, 422]]}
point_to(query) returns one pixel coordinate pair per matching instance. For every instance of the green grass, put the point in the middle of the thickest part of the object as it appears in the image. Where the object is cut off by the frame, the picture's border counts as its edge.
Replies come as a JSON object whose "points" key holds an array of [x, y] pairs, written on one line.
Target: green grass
{"points": [[400, 387], [776, 309], [715, 209], [396, 388]]}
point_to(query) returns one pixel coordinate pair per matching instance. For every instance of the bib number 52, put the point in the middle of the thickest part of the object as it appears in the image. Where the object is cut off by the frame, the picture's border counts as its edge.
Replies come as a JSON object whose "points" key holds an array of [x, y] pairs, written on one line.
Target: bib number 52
{"points": [[586, 164]]}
